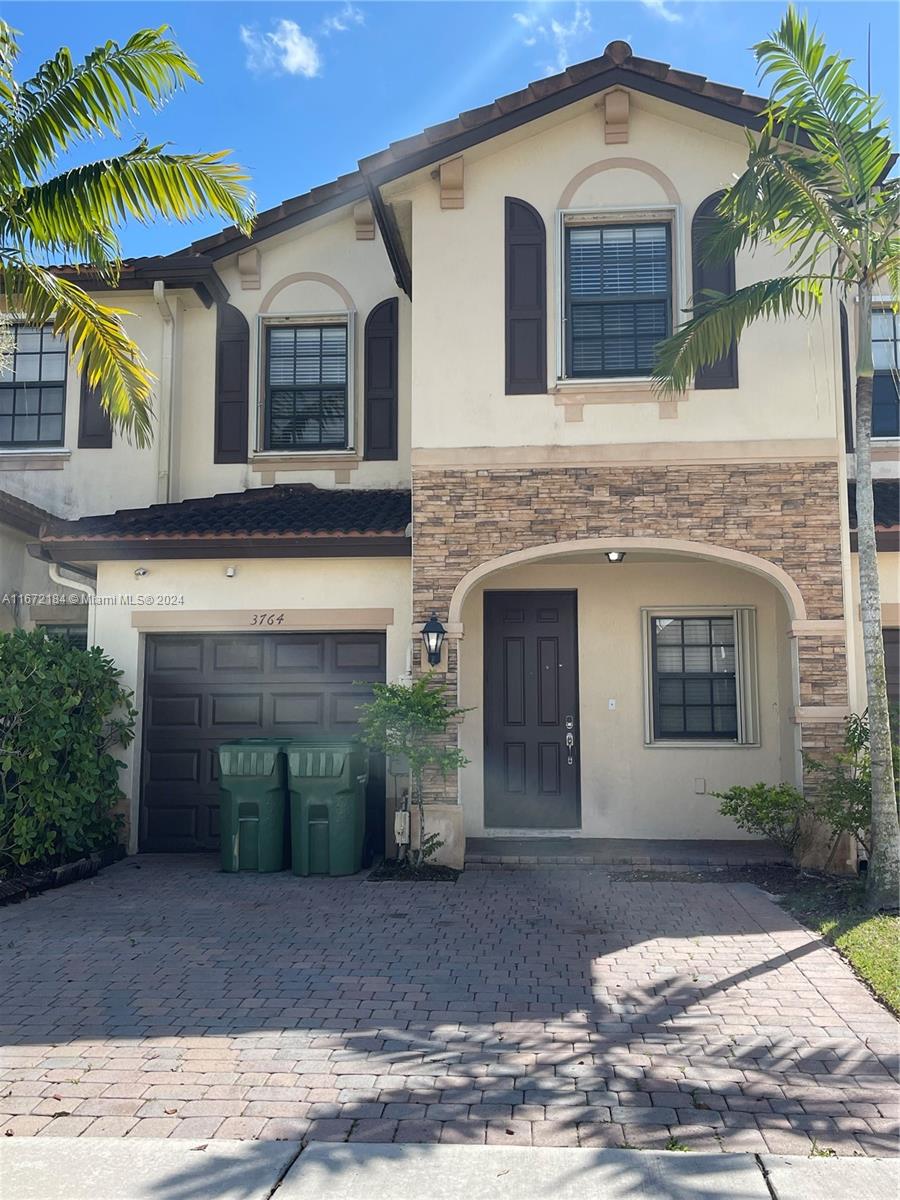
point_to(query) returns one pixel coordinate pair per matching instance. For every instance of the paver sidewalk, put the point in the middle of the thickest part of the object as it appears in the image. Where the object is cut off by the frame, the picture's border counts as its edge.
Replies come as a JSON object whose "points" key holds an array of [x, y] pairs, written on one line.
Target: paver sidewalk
{"points": [[556, 1006]]}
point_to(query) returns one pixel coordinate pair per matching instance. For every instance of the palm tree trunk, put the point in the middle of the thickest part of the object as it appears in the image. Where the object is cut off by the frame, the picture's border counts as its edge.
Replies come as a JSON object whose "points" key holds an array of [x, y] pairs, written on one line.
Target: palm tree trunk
{"points": [[883, 886]]}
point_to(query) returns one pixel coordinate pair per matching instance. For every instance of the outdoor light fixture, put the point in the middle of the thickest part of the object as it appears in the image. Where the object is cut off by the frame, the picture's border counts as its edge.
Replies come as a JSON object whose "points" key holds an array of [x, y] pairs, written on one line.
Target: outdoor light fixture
{"points": [[433, 634], [615, 556], [140, 572]]}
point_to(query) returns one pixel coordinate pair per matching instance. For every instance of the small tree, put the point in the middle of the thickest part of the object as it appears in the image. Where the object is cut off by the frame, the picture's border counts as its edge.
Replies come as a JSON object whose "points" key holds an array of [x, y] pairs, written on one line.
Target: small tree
{"points": [[412, 720], [816, 187]]}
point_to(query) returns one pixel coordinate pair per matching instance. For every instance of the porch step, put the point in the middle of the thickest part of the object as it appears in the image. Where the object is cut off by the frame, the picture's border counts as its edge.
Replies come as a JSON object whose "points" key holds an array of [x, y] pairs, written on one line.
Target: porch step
{"points": [[622, 852]]}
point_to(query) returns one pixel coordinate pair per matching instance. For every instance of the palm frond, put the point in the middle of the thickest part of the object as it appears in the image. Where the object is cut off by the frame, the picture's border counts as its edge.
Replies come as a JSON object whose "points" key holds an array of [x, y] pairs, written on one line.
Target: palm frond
{"points": [[144, 185], [95, 333], [65, 102], [719, 320], [814, 92], [9, 52]]}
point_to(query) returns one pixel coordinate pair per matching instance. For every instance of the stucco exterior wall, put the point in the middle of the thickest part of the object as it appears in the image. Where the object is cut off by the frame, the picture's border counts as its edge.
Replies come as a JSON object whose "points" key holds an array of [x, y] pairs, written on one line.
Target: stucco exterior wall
{"points": [[629, 789], [788, 374], [260, 584]]}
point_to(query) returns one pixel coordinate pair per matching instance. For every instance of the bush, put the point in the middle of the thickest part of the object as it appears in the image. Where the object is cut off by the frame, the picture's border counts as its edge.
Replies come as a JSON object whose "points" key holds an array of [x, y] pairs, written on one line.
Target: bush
{"points": [[61, 712], [773, 810]]}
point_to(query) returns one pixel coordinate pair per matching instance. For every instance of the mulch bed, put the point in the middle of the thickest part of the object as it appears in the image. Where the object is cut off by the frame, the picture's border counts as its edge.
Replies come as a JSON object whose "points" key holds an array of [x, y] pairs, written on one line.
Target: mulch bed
{"points": [[392, 871], [31, 881]]}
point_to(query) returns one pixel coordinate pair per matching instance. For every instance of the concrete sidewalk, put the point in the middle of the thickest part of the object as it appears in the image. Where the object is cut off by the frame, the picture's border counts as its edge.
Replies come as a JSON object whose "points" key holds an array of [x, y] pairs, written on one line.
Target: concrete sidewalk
{"points": [[176, 1169]]}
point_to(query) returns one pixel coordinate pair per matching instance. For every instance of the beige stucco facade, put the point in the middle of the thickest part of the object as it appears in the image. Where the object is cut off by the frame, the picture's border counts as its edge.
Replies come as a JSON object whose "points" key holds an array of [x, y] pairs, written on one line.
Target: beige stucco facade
{"points": [[732, 498]]}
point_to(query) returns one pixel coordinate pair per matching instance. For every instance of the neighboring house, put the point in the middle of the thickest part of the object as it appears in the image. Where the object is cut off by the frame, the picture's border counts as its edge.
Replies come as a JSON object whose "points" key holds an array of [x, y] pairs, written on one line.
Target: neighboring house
{"points": [[424, 387]]}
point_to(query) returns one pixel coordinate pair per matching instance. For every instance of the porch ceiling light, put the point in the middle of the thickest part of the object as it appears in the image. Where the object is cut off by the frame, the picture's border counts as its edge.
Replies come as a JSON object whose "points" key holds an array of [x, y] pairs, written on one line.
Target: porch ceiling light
{"points": [[615, 556], [433, 634]]}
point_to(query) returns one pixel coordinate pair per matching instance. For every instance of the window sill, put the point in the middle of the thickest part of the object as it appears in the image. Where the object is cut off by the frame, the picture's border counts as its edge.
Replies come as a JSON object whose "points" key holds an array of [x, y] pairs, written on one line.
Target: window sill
{"points": [[34, 459], [342, 462], [573, 394], [674, 744]]}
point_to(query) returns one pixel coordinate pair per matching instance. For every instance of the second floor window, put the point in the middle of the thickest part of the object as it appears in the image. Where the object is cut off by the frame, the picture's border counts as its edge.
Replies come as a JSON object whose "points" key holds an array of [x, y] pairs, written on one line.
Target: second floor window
{"points": [[618, 298], [33, 389], [306, 387], [886, 358]]}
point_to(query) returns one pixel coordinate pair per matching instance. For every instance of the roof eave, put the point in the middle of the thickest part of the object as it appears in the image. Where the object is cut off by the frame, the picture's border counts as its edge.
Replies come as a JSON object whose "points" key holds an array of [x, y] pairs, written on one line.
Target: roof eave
{"points": [[389, 545]]}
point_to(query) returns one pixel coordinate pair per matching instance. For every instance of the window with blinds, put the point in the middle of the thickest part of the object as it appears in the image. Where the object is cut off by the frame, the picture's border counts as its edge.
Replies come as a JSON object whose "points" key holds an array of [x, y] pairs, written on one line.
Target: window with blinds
{"points": [[306, 387], [618, 298]]}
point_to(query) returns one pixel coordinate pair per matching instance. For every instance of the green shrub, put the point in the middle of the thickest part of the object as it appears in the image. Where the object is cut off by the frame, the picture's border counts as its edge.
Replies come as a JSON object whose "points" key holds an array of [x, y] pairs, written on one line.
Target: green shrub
{"points": [[62, 710], [773, 810]]}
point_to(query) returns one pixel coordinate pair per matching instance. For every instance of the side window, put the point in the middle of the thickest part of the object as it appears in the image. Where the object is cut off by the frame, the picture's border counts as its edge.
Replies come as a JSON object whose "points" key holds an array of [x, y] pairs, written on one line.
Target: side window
{"points": [[618, 298], [886, 358], [33, 389]]}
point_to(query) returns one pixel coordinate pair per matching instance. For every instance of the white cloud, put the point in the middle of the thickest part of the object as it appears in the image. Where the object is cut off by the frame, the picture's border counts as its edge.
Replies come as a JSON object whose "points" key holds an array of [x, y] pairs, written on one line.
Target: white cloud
{"points": [[563, 37], [286, 49], [340, 22], [661, 9]]}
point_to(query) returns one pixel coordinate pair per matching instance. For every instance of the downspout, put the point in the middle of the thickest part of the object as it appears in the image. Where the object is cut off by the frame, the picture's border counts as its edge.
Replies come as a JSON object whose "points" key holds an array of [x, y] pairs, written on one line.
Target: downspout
{"points": [[164, 447], [84, 585]]}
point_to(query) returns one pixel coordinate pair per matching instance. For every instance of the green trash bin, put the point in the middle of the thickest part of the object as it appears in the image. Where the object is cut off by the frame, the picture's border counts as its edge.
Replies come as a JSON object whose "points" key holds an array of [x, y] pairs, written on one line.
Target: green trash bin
{"points": [[327, 785], [253, 806]]}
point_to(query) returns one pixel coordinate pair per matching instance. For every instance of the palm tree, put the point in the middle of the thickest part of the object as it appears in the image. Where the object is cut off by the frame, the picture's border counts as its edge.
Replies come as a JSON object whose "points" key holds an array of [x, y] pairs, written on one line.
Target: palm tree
{"points": [[815, 188], [75, 215]]}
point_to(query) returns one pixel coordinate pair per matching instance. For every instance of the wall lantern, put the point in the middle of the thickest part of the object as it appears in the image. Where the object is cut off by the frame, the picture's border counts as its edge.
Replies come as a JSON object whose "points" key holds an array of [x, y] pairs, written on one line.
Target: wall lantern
{"points": [[433, 634], [615, 556]]}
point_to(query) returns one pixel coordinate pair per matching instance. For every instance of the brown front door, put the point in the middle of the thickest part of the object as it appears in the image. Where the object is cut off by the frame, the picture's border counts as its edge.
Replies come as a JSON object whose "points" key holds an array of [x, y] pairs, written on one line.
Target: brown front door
{"points": [[531, 760]]}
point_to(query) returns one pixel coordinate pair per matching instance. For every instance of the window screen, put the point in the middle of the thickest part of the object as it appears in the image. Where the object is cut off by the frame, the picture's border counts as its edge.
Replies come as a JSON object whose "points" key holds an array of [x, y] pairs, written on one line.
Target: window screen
{"points": [[306, 387], [618, 298], [694, 678]]}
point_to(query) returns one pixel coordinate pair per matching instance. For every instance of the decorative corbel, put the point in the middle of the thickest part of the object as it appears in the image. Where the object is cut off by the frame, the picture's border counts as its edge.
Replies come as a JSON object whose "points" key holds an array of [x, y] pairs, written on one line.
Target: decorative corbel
{"points": [[364, 220], [450, 174], [615, 111], [248, 269]]}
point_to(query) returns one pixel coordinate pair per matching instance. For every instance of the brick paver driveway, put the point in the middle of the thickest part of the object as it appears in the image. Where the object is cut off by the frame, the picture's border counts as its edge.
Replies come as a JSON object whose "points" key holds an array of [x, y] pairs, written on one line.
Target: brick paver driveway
{"points": [[555, 1005]]}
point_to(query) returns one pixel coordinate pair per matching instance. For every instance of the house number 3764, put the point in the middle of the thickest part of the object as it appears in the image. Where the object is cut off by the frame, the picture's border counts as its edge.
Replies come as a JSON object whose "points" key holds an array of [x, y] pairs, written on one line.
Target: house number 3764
{"points": [[267, 618]]}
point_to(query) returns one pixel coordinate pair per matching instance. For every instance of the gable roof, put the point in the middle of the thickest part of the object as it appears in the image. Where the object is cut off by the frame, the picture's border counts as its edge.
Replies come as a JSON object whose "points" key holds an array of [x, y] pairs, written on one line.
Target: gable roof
{"points": [[618, 66]]}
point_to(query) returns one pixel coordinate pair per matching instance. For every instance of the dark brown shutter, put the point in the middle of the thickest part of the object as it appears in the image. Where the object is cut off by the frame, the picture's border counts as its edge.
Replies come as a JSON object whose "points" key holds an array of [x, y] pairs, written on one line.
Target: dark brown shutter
{"points": [[232, 385], [713, 277], [526, 299], [94, 425], [846, 383], [380, 374]]}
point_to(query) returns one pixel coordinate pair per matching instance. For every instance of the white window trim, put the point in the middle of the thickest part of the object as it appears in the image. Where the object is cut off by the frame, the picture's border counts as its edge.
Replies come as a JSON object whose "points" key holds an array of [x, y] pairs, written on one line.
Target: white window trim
{"points": [[746, 676], [634, 214], [334, 317]]}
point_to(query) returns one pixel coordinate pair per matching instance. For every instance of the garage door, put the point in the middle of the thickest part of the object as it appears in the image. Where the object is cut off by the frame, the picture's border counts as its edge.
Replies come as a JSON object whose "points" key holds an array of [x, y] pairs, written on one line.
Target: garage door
{"points": [[204, 689]]}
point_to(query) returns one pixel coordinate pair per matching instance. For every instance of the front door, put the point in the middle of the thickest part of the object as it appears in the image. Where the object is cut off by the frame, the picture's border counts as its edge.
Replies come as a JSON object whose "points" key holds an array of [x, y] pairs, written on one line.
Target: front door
{"points": [[531, 761]]}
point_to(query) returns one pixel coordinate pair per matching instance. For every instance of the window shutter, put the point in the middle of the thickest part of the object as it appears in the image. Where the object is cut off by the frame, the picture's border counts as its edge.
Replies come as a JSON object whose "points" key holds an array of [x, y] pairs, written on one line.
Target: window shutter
{"points": [[526, 299], [713, 277], [380, 375], [846, 380], [94, 425], [232, 385]]}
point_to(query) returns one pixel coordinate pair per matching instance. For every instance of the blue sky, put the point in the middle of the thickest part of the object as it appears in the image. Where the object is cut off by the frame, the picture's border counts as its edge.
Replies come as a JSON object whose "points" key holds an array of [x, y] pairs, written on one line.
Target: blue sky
{"points": [[300, 91]]}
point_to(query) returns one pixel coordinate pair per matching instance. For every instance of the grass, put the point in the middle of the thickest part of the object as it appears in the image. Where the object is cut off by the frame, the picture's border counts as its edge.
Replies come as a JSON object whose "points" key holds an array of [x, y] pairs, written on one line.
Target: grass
{"points": [[870, 943]]}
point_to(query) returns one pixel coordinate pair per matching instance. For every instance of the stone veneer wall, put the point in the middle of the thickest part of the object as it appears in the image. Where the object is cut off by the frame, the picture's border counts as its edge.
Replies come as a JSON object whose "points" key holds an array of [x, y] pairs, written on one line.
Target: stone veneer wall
{"points": [[786, 513]]}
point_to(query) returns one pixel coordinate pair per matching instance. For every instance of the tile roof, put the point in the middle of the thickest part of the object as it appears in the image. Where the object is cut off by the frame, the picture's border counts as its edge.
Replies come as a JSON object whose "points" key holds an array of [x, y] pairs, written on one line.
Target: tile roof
{"points": [[295, 510], [887, 503], [19, 514], [617, 66]]}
